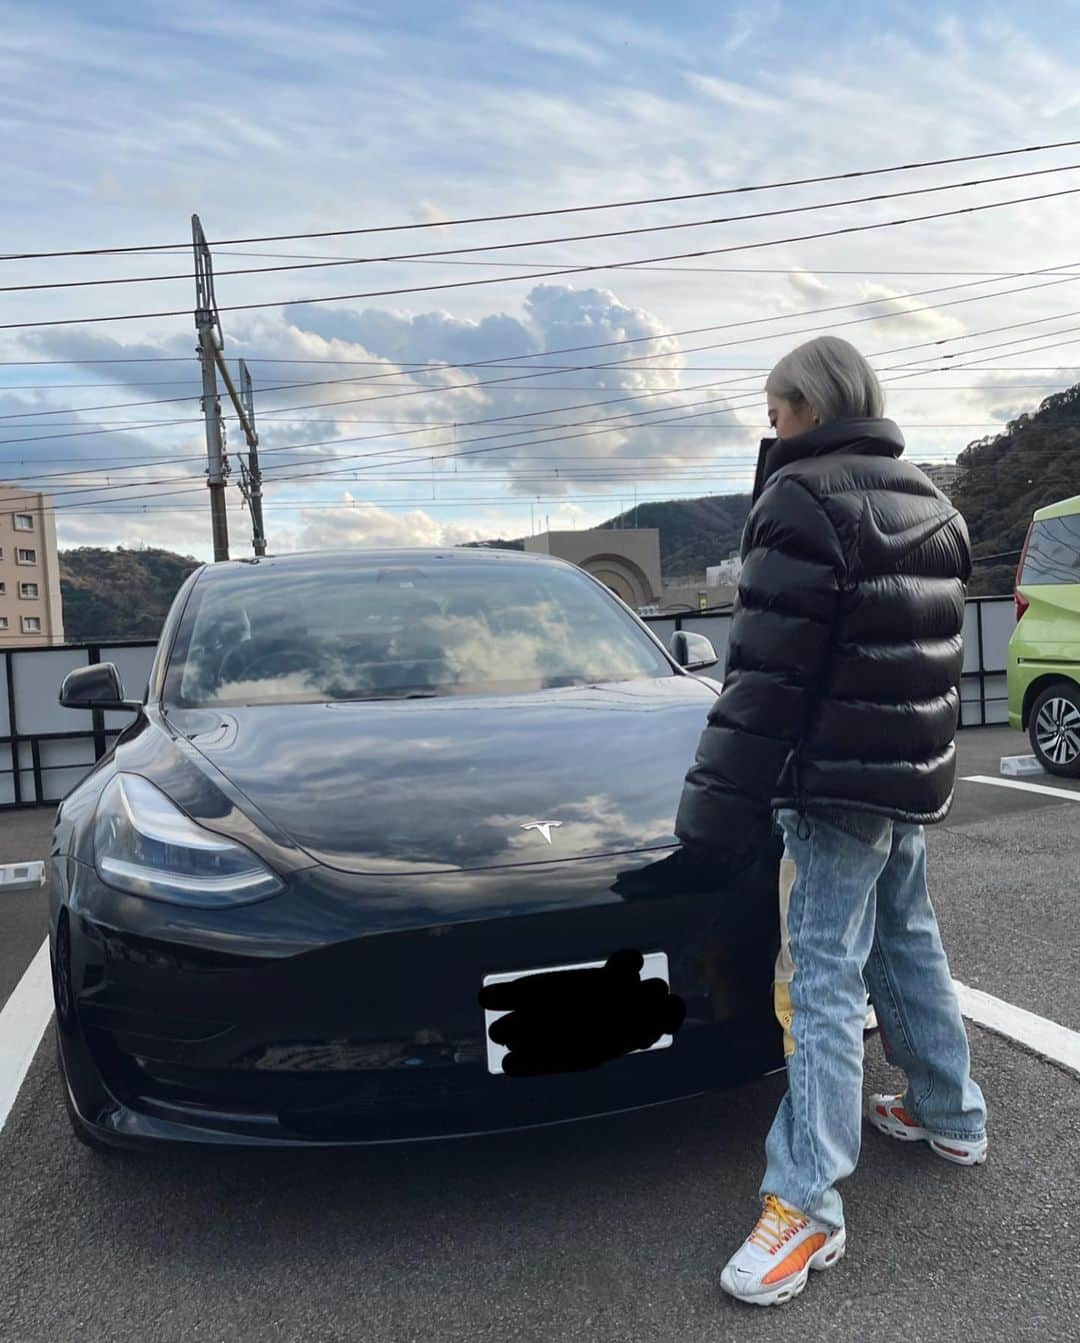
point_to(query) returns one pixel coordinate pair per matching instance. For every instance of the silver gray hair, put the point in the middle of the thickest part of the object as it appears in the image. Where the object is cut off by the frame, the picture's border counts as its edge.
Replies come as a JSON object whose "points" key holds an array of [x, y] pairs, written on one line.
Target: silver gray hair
{"points": [[832, 376]]}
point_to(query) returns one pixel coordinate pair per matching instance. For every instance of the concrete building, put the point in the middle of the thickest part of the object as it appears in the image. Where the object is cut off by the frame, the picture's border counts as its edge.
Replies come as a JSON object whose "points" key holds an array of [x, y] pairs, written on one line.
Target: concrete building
{"points": [[627, 560], [942, 474], [686, 597], [30, 609], [726, 573]]}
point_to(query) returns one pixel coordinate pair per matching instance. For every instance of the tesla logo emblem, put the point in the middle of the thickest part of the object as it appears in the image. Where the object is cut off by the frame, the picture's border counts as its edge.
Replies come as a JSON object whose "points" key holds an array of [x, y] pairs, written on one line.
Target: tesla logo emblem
{"points": [[543, 826]]}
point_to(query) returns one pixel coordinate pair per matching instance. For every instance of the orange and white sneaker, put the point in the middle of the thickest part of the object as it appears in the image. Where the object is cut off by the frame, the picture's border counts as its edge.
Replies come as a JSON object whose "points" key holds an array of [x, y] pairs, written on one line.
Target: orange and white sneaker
{"points": [[887, 1114], [773, 1263]]}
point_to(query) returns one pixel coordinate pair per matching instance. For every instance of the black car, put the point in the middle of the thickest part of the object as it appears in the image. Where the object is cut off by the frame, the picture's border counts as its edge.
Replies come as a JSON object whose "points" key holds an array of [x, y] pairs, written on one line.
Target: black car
{"points": [[359, 787]]}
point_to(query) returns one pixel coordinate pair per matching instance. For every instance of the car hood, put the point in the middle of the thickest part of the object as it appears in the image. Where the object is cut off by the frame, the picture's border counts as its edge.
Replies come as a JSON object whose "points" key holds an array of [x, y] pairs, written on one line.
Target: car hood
{"points": [[464, 782]]}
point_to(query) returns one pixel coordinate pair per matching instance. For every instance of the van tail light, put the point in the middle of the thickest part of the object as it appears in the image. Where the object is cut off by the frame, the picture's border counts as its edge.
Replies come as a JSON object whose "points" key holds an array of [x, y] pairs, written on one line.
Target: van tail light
{"points": [[1022, 602]]}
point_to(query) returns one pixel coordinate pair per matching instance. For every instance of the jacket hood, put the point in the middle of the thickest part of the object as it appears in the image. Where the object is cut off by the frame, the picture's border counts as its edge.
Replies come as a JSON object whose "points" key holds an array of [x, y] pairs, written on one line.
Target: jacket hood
{"points": [[875, 437]]}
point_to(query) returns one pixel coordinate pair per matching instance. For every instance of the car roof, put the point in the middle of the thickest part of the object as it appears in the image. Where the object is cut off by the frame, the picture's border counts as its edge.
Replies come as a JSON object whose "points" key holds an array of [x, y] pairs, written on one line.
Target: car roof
{"points": [[1062, 509], [372, 559]]}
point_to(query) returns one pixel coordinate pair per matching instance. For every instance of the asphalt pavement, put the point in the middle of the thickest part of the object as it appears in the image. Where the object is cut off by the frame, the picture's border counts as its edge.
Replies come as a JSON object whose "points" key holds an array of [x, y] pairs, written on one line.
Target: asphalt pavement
{"points": [[611, 1229]]}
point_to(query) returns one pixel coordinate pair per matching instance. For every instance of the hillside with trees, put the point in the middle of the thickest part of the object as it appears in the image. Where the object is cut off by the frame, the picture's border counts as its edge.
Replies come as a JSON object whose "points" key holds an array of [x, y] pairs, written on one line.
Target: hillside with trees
{"points": [[1005, 477], [118, 594], [694, 533]]}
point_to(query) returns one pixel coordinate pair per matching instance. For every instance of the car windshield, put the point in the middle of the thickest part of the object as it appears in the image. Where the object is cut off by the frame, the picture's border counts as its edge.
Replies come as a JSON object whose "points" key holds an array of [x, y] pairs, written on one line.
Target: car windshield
{"points": [[368, 631], [1053, 551]]}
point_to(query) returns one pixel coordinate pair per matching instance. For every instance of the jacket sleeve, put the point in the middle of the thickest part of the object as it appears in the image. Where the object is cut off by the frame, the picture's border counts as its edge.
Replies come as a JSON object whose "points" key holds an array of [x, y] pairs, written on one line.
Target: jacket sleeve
{"points": [[781, 632]]}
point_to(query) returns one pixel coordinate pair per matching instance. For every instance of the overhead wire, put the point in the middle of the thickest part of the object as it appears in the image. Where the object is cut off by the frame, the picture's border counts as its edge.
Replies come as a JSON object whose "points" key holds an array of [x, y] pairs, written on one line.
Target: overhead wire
{"points": [[557, 210], [639, 359], [452, 253], [634, 360], [582, 405], [334, 470], [526, 275]]}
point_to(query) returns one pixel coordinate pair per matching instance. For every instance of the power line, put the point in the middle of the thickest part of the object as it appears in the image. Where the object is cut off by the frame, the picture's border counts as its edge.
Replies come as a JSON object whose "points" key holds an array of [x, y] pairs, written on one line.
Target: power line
{"points": [[454, 252], [647, 269], [335, 470], [84, 428], [594, 430], [683, 454], [520, 360], [586, 405], [530, 275], [572, 209], [577, 387], [641, 395], [604, 426], [635, 360]]}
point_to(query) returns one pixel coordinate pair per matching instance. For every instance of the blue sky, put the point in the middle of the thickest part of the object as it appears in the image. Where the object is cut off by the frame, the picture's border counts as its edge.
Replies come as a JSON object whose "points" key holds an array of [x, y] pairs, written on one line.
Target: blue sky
{"points": [[120, 120]]}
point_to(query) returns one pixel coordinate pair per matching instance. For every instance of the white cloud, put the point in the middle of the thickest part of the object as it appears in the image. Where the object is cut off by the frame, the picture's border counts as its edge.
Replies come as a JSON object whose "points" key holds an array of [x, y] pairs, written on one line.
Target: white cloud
{"points": [[359, 525], [917, 319], [807, 284], [739, 96], [533, 31], [440, 120]]}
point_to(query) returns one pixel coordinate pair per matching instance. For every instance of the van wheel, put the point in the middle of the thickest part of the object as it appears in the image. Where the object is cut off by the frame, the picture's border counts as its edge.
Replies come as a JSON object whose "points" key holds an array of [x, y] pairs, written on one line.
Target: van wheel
{"points": [[1054, 729]]}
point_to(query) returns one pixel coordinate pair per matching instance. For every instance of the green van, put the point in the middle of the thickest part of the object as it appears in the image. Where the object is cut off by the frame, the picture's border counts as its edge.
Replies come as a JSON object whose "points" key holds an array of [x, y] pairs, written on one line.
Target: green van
{"points": [[1043, 662]]}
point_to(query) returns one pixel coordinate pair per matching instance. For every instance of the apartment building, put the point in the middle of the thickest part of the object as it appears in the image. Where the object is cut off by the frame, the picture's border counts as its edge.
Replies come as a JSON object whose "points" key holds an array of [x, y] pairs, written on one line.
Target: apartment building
{"points": [[30, 608], [943, 474]]}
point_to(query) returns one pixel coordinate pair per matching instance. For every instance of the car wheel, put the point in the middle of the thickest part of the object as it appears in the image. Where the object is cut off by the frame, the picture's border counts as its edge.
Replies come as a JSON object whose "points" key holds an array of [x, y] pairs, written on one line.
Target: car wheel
{"points": [[1054, 729], [61, 970]]}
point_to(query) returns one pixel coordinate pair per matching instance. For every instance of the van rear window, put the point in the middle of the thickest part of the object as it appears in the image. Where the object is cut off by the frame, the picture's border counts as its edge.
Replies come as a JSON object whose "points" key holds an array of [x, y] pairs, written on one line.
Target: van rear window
{"points": [[1053, 553]]}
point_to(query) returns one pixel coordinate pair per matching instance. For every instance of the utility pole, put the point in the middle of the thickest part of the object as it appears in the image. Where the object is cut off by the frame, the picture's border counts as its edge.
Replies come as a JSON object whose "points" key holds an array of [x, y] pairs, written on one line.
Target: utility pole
{"points": [[208, 325], [212, 358], [250, 475]]}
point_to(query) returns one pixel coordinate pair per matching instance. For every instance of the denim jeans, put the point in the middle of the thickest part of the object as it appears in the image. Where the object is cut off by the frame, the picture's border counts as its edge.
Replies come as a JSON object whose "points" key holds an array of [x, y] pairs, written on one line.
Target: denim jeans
{"points": [[855, 916]]}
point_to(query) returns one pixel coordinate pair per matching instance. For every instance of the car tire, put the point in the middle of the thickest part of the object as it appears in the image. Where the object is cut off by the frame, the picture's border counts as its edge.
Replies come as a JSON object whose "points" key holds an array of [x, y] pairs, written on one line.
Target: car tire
{"points": [[1054, 729]]}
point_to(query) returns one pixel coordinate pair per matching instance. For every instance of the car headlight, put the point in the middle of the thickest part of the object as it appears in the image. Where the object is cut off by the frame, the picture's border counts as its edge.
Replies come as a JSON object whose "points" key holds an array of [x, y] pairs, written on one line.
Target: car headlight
{"points": [[145, 845]]}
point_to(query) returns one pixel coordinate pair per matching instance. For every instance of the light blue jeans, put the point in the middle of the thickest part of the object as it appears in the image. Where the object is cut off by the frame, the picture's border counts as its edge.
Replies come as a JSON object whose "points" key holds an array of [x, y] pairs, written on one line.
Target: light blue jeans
{"points": [[855, 916]]}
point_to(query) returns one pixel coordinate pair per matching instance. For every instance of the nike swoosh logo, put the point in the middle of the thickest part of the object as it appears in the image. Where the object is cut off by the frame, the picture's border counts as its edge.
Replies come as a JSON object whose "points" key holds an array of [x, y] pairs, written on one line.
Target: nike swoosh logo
{"points": [[883, 550]]}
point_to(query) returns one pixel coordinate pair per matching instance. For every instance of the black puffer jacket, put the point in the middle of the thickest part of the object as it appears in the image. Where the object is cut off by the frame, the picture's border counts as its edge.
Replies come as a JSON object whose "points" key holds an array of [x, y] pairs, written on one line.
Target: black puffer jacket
{"points": [[843, 668]]}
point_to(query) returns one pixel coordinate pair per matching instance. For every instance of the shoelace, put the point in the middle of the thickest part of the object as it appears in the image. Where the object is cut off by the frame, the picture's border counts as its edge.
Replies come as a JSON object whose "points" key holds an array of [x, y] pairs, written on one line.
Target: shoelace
{"points": [[775, 1225]]}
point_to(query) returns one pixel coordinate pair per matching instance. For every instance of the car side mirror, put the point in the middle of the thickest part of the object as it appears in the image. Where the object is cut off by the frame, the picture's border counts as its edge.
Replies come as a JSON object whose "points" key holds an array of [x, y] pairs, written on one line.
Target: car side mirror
{"points": [[95, 687], [692, 651]]}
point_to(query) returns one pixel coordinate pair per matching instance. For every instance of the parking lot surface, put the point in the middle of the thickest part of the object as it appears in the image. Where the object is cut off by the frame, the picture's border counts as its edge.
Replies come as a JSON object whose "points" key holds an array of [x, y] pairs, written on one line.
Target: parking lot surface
{"points": [[611, 1229]]}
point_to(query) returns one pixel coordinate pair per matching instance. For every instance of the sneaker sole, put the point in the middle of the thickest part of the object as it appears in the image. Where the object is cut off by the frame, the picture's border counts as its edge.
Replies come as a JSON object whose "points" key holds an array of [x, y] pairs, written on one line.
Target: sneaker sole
{"points": [[947, 1148], [828, 1256]]}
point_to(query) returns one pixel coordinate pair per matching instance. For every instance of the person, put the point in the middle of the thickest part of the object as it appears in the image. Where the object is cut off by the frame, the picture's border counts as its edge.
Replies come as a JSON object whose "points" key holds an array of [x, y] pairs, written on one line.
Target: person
{"points": [[836, 721]]}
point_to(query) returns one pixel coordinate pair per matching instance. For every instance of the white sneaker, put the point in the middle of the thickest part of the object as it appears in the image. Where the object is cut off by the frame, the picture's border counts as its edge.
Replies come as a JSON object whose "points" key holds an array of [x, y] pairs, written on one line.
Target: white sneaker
{"points": [[887, 1114], [773, 1264]]}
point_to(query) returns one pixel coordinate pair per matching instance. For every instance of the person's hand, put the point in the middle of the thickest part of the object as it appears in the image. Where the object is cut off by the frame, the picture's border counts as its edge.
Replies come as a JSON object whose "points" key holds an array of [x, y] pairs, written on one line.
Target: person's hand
{"points": [[567, 1020]]}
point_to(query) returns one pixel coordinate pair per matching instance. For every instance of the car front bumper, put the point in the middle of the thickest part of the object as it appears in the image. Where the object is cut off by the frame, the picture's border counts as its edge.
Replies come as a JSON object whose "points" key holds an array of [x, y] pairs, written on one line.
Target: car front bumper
{"points": [[287, 1026]]}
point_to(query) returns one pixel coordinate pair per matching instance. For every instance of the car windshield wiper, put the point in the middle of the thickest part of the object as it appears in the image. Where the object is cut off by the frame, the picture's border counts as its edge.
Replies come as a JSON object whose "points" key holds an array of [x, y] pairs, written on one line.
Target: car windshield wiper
{"points": [[409, 694]]}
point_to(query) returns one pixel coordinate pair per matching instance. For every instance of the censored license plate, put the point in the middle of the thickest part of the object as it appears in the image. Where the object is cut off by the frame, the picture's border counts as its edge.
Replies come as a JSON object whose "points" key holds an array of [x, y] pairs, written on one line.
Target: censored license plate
{"points": [[655, 967]]}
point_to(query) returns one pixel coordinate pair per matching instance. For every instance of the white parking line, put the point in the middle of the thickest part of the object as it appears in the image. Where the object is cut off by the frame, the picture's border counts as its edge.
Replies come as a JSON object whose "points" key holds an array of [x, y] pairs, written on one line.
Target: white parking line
{"points": [[22, 1024], [1043, 1036], [1067, 793]]}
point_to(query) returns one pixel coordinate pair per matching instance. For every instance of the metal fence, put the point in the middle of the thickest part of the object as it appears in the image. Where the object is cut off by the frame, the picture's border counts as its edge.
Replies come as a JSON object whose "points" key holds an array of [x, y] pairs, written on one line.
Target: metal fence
{"points": [[988, 623], [45, 749]]}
